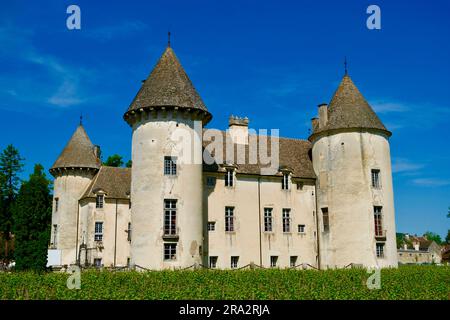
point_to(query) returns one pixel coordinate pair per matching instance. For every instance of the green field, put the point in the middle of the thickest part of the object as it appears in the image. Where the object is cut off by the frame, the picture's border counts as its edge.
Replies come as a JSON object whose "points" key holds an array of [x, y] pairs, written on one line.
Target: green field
{"points": [[407, 282]]}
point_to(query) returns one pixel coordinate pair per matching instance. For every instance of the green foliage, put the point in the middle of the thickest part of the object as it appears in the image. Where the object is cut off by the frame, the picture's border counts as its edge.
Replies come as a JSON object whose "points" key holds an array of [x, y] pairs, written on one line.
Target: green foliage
{"points": [[11, 164], [114, 161], [32, 220], [447, 238], [129, 164], [433, 237], [406, 282]]}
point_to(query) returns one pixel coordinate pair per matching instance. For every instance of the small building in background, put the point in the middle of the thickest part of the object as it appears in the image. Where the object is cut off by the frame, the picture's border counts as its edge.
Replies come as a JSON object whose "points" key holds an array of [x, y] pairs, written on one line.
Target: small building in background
{"points": [[418, 250]]}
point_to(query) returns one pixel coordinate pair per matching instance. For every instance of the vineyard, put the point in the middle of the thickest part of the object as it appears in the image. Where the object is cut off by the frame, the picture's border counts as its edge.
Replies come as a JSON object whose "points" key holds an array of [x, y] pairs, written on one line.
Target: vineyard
{"points": [[407, 282]]}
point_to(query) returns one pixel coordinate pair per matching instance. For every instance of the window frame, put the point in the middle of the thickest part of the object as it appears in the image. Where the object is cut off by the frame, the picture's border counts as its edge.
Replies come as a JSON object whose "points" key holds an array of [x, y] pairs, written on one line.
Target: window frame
{"points": [[98, 231], [286, 220], [325, 219], [100, 201], [170, 166], [213, 262], [295, 261], [229, 219], [273, 261], [56, 204], [229, 178], [380, 253], [211, 224], [129, 232], [378, 220], [301, 226], [170, 251], [285, 181], [234, 262], [170, 217], [376, 178], [268, 219]]}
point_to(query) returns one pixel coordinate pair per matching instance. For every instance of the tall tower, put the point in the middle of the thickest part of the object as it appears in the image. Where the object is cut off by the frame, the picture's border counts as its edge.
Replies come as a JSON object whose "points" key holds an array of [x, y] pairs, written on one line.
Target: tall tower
{"points": [[355, 201], [167, 116], [73, 171]]}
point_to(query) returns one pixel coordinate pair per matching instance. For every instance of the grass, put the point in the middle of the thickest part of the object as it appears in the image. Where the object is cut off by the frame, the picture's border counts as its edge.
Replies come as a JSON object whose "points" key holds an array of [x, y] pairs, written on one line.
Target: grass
{"points": [[407, 282]]}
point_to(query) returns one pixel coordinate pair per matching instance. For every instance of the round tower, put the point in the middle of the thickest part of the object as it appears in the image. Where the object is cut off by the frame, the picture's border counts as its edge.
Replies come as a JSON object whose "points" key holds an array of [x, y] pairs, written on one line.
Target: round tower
{"points": [[73, 171], [167, 117], [355, 201]]}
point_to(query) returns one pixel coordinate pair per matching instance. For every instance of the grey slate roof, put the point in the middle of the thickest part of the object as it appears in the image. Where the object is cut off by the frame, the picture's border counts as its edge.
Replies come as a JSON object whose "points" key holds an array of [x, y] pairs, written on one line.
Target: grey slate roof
{"points": [[168, 85], [115, 182], [349, 109], [78, 153], [294, 154]]}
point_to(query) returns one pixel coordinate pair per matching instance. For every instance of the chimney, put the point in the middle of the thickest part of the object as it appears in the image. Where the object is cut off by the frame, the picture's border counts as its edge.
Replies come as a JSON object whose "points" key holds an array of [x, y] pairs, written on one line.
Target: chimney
{"points": [[238, 129], [323, 115], [405, 246], [97, 151], [314, 124]]}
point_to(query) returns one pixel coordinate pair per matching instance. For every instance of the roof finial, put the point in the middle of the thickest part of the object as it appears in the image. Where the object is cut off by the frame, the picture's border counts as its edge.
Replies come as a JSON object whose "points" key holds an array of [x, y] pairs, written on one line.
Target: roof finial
{"points": [[345, 65], [168, 39], [81, 119]]}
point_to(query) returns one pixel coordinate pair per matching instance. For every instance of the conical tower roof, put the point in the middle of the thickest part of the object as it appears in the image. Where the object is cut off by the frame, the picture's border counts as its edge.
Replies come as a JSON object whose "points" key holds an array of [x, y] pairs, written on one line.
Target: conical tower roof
{"points": [[78, 153], [168, 86], [348, 109]]}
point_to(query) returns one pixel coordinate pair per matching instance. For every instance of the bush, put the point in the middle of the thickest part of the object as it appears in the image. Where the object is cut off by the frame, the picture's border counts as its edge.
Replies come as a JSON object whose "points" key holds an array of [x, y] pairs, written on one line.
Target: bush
{"points": [[406, 282]]}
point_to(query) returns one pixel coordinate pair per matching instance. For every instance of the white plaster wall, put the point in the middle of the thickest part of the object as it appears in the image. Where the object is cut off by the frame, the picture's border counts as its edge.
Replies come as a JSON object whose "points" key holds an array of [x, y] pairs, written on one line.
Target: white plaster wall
{"points": [[89, 214], [343, 164], [149, 187], [245, 241], [68, 188]]}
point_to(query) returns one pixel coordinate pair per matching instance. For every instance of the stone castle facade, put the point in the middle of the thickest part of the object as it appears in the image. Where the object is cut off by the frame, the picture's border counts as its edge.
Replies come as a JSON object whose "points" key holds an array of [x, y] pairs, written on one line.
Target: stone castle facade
{"points": [[328, 203]]}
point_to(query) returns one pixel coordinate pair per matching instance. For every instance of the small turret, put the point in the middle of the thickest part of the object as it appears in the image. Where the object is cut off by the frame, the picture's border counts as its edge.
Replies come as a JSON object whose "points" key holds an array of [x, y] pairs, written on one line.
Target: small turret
{"points": [[74, 169], [351, 159]]}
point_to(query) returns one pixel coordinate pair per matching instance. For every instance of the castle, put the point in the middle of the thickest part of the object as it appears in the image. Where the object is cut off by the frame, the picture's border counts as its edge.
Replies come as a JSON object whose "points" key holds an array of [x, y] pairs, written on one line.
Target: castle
{"points": [[327, 203]]}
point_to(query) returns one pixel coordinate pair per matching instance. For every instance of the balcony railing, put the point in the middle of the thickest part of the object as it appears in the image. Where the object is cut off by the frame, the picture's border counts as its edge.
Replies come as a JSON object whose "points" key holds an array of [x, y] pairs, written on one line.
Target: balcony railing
{"points": [[380, 234]]}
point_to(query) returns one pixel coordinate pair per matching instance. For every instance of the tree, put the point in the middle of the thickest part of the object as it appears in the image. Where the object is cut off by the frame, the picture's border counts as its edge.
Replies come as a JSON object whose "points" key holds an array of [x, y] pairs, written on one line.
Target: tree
{"points": [[11, 164], [433, 237], [32, 215], [447, 238], [129, 164], [114, 161]]}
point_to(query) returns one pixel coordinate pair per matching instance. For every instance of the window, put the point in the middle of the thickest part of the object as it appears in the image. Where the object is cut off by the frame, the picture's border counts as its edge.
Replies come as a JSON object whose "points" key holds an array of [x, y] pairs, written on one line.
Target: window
{"points": [[170, 217], [170, 251], [273, 261], [377, 216], [268, 219], [286, 220], [299, 185], [229, 178], [210, 181], [301, 228], [380, 250], [128, 262], [211, 225], [212, 262], [98, 262], [129, 231], [55, 232], [98, 232], [234, 262], [285, 182], [99, 201], [129, 204], [56, 204], [325, 220], [376, 183], [229, 219], [170, 166], [293, 261]]}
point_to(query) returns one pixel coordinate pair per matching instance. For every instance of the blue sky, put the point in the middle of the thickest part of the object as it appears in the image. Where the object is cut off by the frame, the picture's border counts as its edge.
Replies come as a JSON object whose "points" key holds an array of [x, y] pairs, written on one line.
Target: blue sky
{"points": [[273, 61]]}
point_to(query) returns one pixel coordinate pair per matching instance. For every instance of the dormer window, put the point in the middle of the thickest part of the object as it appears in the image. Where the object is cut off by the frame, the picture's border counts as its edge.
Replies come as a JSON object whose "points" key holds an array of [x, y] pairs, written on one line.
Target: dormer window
{"points": [[99, 201], [229, 178], [285, 181]]}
